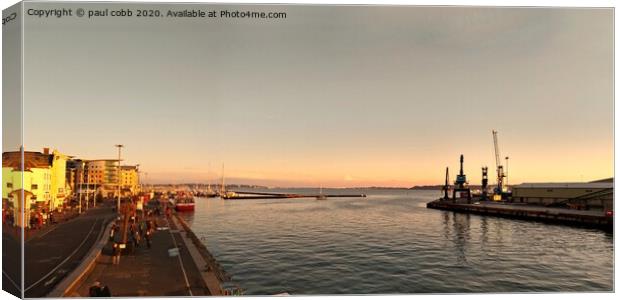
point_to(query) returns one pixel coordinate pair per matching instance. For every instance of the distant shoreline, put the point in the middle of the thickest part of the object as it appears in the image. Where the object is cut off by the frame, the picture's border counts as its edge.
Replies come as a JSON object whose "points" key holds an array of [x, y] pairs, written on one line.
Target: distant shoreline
{"points": [[248, 186]]}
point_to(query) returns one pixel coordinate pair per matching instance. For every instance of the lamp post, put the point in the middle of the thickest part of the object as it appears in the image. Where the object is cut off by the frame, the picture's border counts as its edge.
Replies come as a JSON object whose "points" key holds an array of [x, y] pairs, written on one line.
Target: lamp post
{"points": [[118, 179], [80, 190], [87, 189]]}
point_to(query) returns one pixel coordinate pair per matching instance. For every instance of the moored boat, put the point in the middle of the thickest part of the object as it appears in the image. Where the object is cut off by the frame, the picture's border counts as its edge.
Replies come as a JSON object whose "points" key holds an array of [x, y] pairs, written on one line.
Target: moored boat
{"points": [[184, 202], [184, 206], [320, 196]]}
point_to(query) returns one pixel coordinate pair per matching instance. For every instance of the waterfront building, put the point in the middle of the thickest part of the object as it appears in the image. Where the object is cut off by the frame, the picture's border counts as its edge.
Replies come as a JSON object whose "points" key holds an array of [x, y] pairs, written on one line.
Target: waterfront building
{"points": [[596, 195], [39, 180], [59, 189], [102, 175], [75, 171], [130, 180]]}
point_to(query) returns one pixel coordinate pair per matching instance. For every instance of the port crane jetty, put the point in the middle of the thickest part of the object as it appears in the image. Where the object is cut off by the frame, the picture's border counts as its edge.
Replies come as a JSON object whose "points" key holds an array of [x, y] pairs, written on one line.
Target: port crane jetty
{"points": [[588, 204]]}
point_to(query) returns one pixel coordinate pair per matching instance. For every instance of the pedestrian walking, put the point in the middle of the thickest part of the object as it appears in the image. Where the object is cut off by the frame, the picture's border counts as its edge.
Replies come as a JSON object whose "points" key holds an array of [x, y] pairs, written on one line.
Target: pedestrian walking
{"points": [[113, 231], [148, 239], [141, 228], [137, 238], [39, 221]]}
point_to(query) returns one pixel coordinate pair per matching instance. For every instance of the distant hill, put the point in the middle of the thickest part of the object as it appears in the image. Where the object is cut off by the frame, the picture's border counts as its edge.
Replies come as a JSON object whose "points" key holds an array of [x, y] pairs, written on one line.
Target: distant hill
{"points": [[439, 187], [427, 187]]}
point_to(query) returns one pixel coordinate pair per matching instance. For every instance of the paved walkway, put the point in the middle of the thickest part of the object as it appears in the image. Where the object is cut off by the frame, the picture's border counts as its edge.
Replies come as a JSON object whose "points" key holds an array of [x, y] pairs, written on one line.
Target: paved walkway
{"points": [[148, 271]]}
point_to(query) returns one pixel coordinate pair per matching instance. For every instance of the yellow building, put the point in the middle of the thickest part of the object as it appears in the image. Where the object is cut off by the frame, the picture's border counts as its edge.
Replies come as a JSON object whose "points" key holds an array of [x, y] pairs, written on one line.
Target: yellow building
{"points": [[130, 180], [58, 172], [36, 184], [42, 179]]}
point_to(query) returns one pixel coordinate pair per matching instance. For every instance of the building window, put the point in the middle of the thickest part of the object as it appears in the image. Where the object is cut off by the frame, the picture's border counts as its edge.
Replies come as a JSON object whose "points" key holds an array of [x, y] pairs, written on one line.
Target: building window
{"points": [[34, 186], [549, 190], [9, 185]]}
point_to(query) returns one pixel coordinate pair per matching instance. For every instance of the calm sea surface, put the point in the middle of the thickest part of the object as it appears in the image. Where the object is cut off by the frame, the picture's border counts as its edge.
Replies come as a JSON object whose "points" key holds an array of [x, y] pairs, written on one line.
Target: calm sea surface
{"points": [[389, 242]]}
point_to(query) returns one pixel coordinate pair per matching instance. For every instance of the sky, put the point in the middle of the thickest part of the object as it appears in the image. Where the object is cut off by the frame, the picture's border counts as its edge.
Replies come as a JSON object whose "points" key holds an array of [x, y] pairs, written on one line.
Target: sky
{"points": [[330, 96]]}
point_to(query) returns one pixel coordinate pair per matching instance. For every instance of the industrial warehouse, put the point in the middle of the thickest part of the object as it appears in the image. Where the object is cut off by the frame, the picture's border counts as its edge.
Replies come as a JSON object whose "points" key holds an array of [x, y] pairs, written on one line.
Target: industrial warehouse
{"points": [[596, 195]]}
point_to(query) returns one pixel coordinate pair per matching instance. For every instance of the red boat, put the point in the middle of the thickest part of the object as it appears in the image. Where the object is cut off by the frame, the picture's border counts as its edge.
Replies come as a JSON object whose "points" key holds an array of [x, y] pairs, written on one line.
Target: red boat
{"points": [[184, 202], [184, 206]]}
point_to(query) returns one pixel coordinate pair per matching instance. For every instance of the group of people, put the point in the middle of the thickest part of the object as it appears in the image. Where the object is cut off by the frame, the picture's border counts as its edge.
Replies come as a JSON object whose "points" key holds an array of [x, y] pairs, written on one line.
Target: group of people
{"points": [[142, 230], [139, 229], [141, 225], [37, 220], [8, 217]]}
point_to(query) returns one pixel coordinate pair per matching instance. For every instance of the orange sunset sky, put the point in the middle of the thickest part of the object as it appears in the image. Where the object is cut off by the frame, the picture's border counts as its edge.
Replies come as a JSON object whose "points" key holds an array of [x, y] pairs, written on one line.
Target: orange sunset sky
{"points": [[337, 97]]}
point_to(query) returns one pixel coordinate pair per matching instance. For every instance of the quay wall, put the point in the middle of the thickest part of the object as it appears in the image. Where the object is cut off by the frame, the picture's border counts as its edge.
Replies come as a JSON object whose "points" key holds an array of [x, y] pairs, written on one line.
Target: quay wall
{"points": [[212, 265], [565, 216]]}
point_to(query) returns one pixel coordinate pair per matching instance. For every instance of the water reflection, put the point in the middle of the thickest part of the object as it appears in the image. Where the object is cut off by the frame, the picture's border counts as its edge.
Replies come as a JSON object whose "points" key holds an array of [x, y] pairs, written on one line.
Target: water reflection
{"points": [[461, 236], [484, 229]]}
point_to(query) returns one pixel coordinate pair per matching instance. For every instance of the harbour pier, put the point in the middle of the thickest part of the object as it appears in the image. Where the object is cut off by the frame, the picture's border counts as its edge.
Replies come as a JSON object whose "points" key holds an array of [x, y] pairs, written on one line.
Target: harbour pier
{"points": [[260, 195], [586, 218]]}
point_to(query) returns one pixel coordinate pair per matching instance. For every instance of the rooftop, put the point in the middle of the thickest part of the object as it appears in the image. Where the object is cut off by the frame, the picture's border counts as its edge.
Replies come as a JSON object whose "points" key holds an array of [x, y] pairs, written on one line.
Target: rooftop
{"points": [[31, 160], [566, 185]]}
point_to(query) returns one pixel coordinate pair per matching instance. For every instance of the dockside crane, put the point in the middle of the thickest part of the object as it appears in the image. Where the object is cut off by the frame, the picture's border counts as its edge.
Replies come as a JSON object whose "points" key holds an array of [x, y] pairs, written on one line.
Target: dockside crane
{"points": [[500, 171], [446, 186], [460, 184]]}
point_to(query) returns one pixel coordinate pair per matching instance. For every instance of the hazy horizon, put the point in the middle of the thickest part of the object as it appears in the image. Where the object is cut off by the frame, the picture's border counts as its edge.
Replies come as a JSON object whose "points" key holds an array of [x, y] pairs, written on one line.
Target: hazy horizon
{"points": [[330, 96]]}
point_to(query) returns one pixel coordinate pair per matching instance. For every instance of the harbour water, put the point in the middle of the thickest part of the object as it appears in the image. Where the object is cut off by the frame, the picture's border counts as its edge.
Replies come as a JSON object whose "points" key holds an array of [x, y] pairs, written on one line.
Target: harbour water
{"points": [[389, 242]]}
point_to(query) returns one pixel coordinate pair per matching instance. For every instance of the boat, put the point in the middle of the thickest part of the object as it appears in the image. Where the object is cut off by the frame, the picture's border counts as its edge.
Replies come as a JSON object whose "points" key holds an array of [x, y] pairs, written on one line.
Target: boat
{"points": [[321, 196], [229, 195], [184, 202], [222, 193]]}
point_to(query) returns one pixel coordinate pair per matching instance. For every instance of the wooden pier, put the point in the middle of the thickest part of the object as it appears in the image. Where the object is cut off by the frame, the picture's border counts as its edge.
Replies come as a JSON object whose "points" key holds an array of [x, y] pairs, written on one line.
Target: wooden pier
{"points": [[586, 218]]}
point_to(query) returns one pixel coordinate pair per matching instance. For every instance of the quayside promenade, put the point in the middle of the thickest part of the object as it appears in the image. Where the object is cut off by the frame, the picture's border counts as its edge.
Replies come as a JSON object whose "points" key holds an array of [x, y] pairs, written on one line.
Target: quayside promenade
{"points": [[158, 270]]}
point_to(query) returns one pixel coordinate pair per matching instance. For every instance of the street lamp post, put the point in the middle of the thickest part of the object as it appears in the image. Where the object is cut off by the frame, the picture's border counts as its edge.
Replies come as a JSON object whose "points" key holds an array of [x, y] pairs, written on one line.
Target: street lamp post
{"points": [[87, 189], [80, 190], [118, 179]]}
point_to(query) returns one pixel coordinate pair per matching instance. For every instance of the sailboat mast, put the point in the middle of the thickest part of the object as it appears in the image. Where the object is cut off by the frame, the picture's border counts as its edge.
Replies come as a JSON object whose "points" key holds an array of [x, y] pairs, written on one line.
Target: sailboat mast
{"points": [[208, 179], [222, 189]]}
